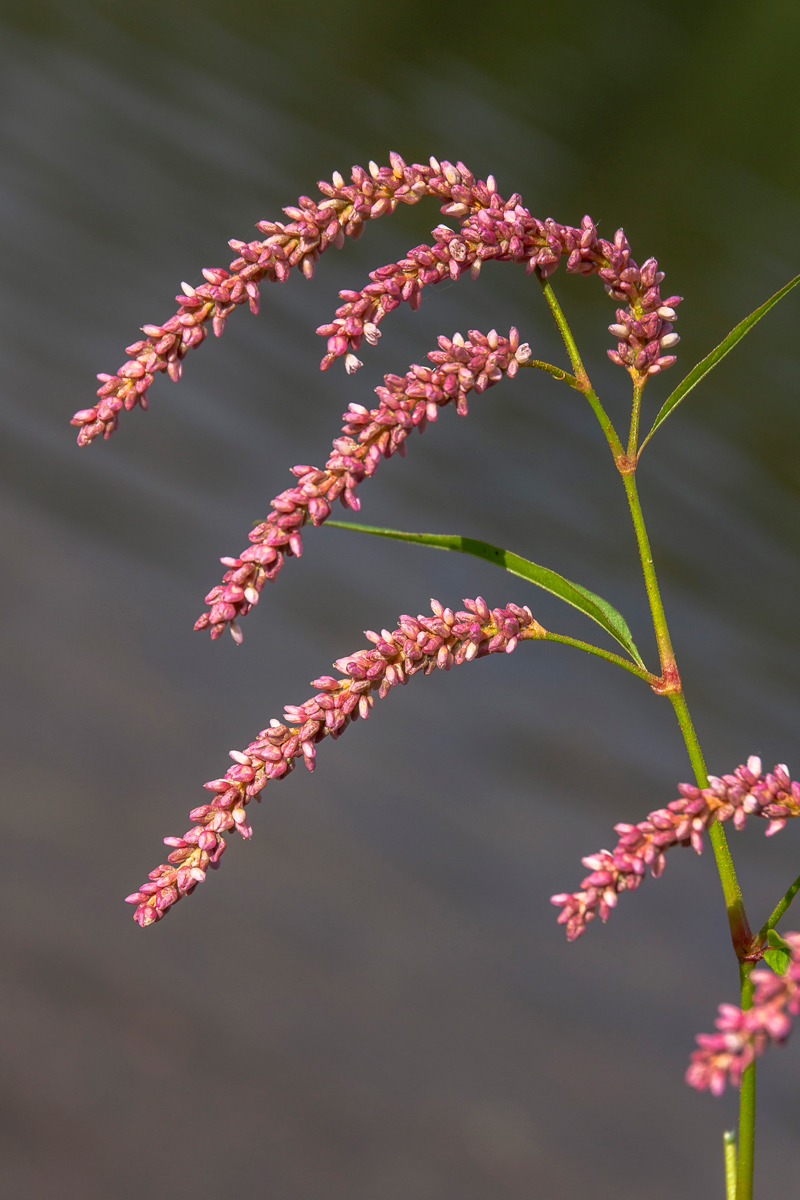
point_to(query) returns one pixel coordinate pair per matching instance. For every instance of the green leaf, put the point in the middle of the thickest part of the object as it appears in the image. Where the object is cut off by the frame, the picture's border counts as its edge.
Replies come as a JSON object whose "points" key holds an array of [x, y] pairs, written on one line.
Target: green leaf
{"points": [[710, 361], [579, 597], [779, 954], [777, 959]]}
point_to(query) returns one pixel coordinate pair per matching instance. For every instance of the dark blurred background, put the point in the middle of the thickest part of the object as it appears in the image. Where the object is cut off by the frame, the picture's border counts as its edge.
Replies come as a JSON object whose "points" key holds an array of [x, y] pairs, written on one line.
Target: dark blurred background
{"points": [[373, 1001]]}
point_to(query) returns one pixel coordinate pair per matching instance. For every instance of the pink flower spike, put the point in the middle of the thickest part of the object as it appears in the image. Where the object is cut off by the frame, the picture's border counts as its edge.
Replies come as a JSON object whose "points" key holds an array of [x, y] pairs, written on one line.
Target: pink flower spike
{"points": [[336, 704], [489, 228], [367, 437], [744, 793]]}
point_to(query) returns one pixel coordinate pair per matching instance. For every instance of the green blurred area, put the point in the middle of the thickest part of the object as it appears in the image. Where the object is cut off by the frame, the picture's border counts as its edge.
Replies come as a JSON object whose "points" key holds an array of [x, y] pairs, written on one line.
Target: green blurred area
{"points": [[651, 97]]}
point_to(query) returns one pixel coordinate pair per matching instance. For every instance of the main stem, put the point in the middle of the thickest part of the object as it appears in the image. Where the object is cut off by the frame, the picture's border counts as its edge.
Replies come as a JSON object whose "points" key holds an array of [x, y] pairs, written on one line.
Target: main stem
{"points": [[747, 1104], [670, 685], [669, 671], [741, 935]]}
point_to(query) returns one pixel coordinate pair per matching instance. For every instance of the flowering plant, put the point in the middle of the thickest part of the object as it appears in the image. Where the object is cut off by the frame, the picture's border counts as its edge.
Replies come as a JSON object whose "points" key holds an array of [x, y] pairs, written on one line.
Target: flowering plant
{"points": [[488, 227]]}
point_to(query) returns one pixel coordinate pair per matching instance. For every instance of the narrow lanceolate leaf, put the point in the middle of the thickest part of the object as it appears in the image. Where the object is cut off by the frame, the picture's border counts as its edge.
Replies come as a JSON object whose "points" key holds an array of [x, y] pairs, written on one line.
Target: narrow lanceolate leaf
{"points": [[579, 597], [710, 361]]}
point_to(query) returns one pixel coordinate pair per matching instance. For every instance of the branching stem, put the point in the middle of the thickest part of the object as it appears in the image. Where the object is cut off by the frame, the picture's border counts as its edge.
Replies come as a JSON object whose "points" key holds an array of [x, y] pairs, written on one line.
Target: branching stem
{"points": [[556, 372], [647, 676], [582, 382], [777, 912]]}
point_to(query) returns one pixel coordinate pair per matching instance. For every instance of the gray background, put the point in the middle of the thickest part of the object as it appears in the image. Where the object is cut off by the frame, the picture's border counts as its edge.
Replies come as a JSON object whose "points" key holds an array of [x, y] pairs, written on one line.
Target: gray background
{"points": [[372, 999]]}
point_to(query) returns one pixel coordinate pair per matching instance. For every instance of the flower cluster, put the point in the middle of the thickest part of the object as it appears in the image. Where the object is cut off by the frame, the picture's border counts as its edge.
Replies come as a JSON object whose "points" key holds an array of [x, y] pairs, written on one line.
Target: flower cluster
{"points": [[417, 644], [491, 227], [747, 792], [406, 403], [745, 1033]]}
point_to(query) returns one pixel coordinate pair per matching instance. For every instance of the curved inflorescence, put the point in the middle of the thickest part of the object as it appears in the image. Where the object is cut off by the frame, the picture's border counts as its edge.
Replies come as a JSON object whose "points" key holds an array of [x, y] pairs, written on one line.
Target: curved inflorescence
{"points": [[746, 1033], [406, 402], [418, 644], [490, 228], [747, 792]]}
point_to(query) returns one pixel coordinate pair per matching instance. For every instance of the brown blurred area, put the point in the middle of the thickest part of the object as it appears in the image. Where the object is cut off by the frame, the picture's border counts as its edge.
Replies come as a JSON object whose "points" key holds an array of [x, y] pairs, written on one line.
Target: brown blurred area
{"points": [[372, 1000]]}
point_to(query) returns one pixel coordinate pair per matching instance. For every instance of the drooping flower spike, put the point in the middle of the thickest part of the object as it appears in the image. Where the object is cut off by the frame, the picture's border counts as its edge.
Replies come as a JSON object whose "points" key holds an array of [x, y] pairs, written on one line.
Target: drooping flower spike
{"points": [[406, 403], [491, 228], [747, 792], [418, 644], [745, 1033]]}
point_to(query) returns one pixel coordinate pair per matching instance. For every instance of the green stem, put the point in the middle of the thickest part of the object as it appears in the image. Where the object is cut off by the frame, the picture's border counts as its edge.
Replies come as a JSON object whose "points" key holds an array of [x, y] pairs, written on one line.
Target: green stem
{"points": [[606, 654], [670, 683], [665, 651], [747, 1104], [633, 436], [605, 423], [729, 1144], [741, 934], [556, 372], [581, 378], [778, 912], [563, 327]]}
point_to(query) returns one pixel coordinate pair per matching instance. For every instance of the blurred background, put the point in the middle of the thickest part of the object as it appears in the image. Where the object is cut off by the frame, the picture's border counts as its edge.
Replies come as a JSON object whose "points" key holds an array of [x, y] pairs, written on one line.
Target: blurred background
{"points": [[372, 1000]]}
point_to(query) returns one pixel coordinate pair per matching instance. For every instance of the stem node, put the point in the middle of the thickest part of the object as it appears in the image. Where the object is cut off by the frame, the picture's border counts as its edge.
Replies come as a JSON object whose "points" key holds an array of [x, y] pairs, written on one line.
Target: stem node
{"points": [[670, 682], [627, 463]]}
